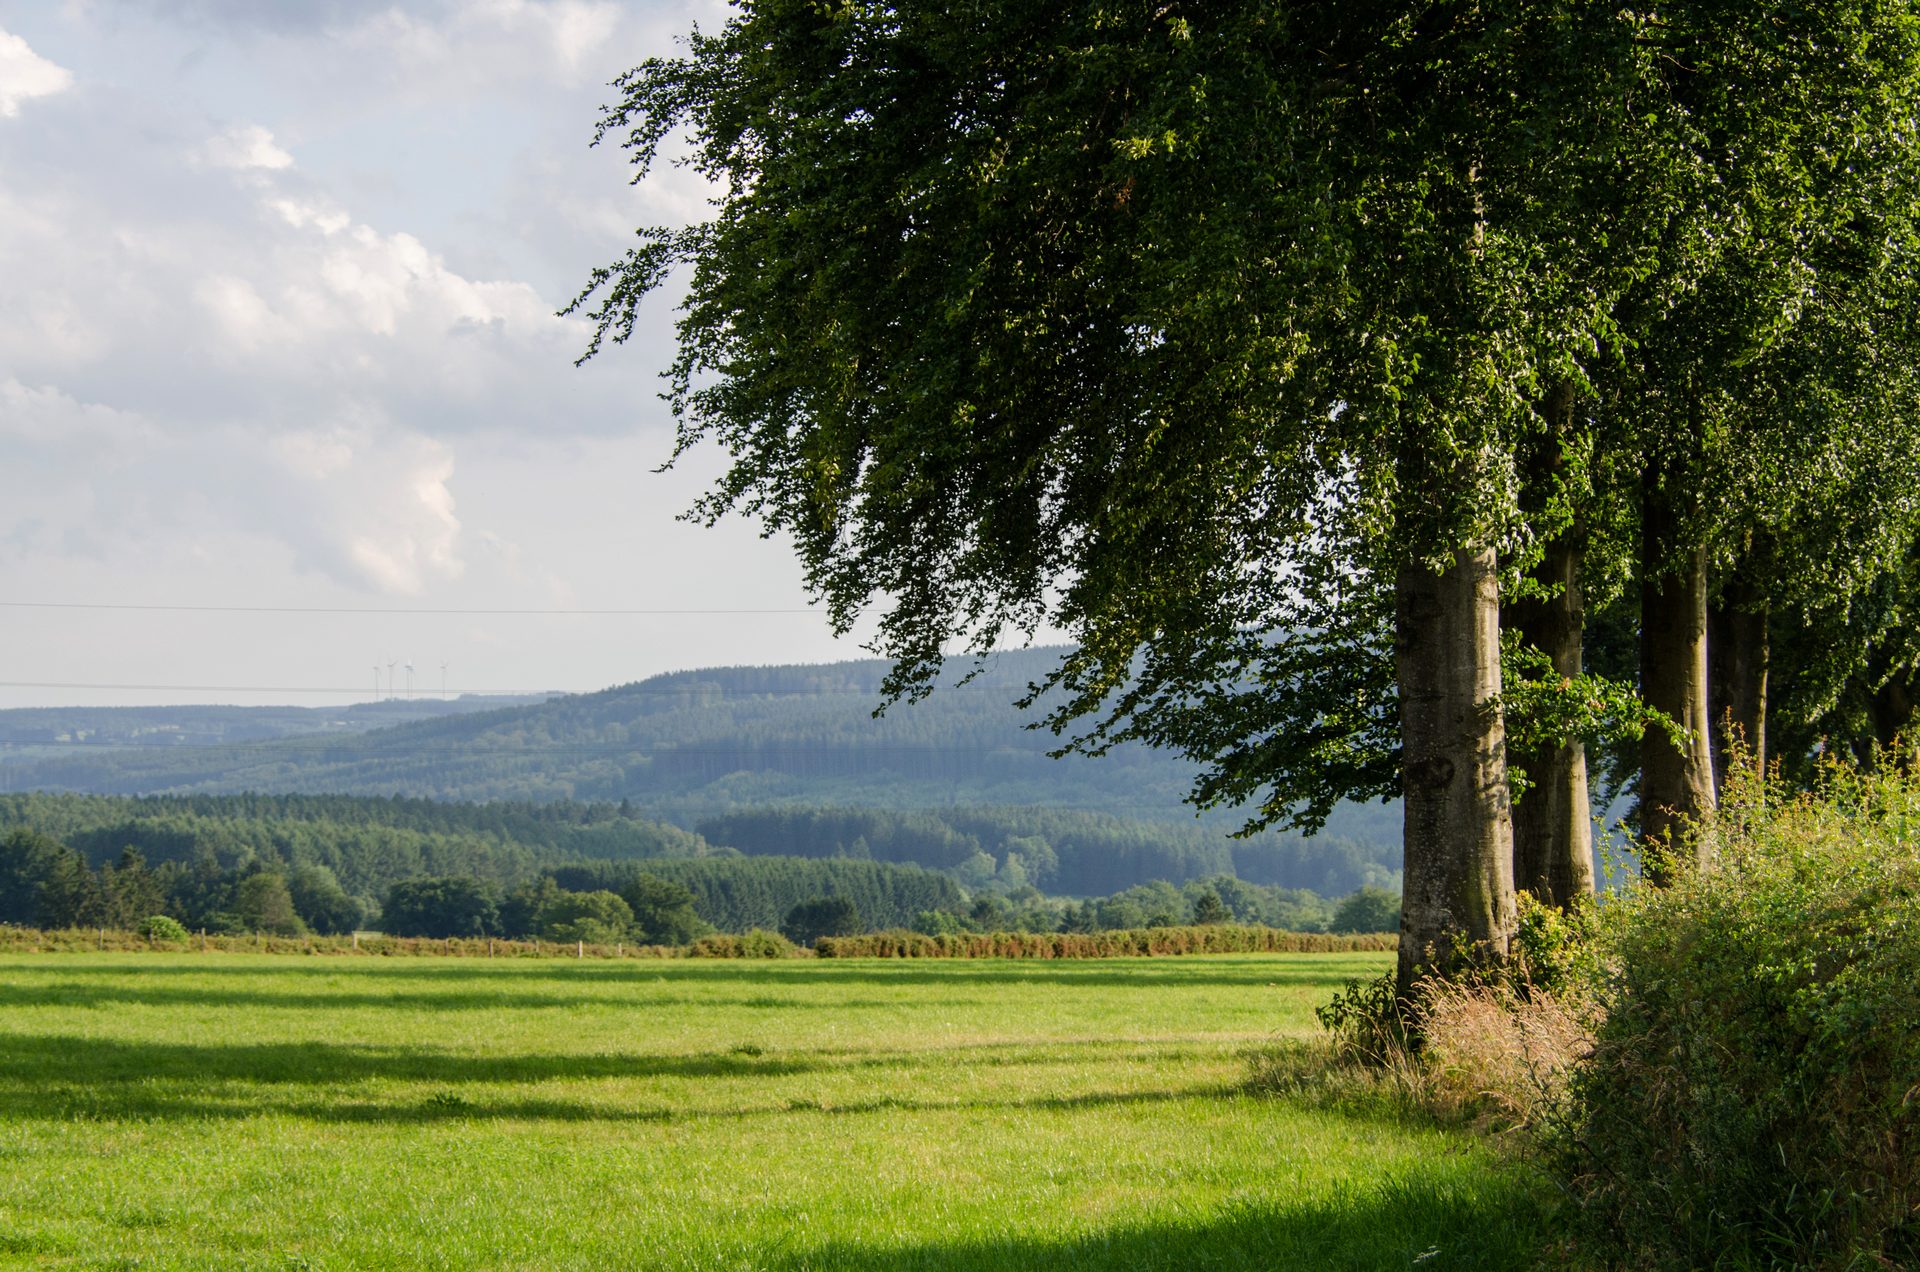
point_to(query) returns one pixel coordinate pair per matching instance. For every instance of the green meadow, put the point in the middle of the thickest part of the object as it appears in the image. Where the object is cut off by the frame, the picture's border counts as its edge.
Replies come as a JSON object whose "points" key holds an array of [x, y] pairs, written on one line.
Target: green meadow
{"points": [[234, 1111]]}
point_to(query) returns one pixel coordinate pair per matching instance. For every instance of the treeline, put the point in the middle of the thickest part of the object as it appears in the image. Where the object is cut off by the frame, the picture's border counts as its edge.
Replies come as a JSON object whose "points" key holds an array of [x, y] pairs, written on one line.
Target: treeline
{"points": [[1074, 851], [45, 883], [371, 842], [367, 844], [739, 893]]}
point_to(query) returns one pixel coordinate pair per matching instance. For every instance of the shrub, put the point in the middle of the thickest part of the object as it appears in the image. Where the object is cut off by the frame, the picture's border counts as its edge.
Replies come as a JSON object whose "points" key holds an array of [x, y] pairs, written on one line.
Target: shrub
{"points": [[756, 943], [159, 927], [1364, 1020], [1752, 1092]]}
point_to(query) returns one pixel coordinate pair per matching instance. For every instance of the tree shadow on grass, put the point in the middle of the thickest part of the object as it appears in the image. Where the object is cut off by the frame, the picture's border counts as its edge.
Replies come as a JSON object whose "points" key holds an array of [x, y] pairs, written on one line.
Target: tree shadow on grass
{"points": [[82, 1079], [1450, 1215], [63, 1077], [138, 990]]}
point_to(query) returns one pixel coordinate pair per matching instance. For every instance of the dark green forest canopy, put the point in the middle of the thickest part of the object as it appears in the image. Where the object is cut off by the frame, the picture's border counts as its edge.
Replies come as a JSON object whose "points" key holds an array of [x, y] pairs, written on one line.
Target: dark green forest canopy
{"points": [[368, 844]]}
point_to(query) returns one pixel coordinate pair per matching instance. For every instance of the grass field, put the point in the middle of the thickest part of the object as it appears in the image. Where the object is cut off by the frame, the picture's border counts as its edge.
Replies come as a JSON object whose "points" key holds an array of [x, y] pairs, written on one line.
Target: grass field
{"points": [[279, 1112]]}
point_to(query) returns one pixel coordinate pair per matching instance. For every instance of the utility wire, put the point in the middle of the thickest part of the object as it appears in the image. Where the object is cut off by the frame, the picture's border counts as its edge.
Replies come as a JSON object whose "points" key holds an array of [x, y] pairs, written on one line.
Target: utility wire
{"points": [[369, 609]]}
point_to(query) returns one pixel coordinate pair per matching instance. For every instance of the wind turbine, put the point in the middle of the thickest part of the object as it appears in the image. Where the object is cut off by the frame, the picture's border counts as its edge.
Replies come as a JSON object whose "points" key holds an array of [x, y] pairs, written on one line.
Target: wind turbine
{"points": [[409, 677], [443, 678], [390, 667]]}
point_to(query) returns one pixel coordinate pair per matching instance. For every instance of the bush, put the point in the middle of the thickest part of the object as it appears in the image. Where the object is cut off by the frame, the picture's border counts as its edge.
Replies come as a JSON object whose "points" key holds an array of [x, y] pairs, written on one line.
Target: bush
{"points": [[756, 943], [159, 927], [1752, 1092]]}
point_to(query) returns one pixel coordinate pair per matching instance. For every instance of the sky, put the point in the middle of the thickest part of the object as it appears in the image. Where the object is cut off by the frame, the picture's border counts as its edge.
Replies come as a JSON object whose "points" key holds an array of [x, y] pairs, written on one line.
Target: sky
{"points": [[279, 355]]}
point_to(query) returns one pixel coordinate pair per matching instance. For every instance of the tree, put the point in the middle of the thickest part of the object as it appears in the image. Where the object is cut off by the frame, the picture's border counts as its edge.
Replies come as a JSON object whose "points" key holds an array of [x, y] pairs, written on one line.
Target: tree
{"points": [[663, 911], [598, 918], [1209, 337], [1209, 908], [69, 894], [321, 902], [1368, 909], [455, 905], [262, 903], [826, 916], [129, 892], [26, 857]]}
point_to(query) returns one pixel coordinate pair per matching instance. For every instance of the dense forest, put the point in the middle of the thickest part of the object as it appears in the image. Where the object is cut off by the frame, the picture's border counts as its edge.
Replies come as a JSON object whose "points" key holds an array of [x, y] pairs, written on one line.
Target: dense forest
{"points": [[332, 864]]}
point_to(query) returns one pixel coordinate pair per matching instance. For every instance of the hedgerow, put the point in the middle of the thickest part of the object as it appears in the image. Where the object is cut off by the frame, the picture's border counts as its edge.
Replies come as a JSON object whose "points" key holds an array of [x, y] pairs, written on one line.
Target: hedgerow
{"points": [[1208, 939], [1753, 1095]]}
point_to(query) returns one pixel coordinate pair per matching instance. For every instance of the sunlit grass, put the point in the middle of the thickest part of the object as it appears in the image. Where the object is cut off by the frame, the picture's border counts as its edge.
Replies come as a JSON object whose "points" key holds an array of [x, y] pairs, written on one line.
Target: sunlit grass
{"points": [[234, 1111]]}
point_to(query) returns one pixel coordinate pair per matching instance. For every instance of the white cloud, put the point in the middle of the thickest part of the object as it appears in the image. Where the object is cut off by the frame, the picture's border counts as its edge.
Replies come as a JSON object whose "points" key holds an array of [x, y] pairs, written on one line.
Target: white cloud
{"points": [[25, 75], [244, 147]]}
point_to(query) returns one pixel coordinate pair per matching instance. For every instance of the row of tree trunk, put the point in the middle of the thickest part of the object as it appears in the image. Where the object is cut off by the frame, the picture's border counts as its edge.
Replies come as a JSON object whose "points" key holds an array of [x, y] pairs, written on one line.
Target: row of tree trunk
{"points": [[1467, 845]]}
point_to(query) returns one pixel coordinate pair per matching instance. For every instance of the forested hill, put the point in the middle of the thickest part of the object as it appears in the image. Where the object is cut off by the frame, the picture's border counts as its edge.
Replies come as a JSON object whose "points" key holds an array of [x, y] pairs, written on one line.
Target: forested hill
{"points": [[706, 740], [780, 759], [40, 732]]}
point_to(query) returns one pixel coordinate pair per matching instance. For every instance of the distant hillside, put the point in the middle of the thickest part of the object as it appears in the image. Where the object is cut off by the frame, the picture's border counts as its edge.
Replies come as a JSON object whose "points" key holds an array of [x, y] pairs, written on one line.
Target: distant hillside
{"points": [[696, 747], [36, 733]]}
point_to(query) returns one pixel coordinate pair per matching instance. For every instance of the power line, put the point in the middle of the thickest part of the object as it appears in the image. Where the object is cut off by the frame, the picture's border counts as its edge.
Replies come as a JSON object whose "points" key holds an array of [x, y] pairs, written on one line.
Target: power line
{"points": [[357, 689], [370, 609], [691, 688]]}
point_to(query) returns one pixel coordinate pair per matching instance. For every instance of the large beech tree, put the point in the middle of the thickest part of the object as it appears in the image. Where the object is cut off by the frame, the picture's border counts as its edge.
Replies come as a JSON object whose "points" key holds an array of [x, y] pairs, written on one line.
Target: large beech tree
{"points": [[1211, 334]]}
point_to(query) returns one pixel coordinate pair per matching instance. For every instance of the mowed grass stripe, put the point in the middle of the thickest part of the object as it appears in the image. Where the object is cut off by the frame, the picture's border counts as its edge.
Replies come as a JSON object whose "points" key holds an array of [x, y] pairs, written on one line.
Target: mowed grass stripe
{"points": [[241, 1111]]}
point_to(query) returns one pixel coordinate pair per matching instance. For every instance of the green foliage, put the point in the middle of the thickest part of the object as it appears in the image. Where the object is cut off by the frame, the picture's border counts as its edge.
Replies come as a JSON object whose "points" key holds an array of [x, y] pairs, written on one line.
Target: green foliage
{"points": [[1750, 1095], [1138, 943], [1554, 949], [1367, 910], [737, 893], [321, 902], [158, 927], [753, 943], [663, 912], [597, 918], [1365, 1020], [448, 906], [262, 903], [26, 858], [824, 916]]}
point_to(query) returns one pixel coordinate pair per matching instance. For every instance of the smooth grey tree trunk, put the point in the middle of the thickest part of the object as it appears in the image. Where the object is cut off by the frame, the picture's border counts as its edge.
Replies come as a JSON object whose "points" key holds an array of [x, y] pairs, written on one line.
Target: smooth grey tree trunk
{"points": [[1676, 782], [1553, 820], [1457, 904], [1737, 673]]}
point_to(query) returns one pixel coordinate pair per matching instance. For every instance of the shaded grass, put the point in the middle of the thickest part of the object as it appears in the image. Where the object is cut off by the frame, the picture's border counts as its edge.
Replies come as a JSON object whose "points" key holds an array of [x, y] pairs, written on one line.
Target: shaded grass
{"points": [[232, 1111]]}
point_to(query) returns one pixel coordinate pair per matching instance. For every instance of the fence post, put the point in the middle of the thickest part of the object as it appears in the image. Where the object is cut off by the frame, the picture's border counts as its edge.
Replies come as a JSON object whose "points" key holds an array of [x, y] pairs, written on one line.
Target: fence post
{"points": [[582, 951]]}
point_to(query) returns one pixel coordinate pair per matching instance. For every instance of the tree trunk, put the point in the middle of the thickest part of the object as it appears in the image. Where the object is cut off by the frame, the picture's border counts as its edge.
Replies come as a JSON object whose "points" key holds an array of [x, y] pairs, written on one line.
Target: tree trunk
{"points": [[1676, 783], [1737, 673], [1891, 712], [1553, 821], [1457, 903]]}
